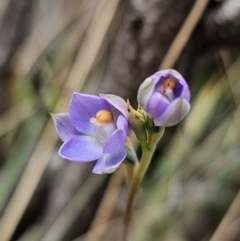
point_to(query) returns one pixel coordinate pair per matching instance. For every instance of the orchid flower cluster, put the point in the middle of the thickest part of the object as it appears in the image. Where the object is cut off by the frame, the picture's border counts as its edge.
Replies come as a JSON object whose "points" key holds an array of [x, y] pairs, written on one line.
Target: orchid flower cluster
{"points": [[96, 127]]}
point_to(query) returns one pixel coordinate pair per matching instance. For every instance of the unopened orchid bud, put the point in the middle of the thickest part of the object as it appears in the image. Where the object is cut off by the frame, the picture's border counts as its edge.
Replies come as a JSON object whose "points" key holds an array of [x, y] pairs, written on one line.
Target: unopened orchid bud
{"points": [[165, 96]]}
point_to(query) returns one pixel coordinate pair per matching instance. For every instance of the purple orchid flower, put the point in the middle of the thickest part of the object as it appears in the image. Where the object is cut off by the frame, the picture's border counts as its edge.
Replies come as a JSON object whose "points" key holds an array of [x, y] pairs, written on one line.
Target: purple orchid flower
{"points": [[165, 96], [93, 129]]}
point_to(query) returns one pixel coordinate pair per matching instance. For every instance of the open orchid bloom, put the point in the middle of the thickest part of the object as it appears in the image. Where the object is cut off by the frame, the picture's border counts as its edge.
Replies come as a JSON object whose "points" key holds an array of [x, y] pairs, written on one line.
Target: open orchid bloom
{"points": [[93, 129], [165, 96]]}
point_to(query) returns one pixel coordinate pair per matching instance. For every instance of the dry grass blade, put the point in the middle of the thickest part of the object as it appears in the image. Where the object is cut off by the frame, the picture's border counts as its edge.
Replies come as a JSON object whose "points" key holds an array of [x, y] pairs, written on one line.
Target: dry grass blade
{"points": [[184, 34], [94, 40], [3, 5], [41, 37], [106, 207], [27, 184], [16, 115], [77, 204], [229, 226], [18, 158]]}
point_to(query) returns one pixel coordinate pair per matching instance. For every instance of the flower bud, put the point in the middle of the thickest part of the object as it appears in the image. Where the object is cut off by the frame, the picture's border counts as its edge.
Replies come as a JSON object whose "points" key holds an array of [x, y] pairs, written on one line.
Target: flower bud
{"points": [[165, 96]]}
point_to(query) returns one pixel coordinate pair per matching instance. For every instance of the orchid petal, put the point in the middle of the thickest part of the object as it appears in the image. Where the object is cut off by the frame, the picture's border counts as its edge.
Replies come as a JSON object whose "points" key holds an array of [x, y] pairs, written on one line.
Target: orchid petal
{"points": [[82, 108], [157, 104], [115, 142], [122, 123], [81, 148], [145, 91], [64, 126], [174, 113], [117, 102], [108, 163], [185, 91]]}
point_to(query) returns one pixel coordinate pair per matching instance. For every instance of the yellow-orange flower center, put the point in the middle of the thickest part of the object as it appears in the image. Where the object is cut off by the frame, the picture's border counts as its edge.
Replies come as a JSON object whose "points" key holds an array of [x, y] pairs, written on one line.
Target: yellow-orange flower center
{"points": [[166, 88], [102, 116], [168, 84]]}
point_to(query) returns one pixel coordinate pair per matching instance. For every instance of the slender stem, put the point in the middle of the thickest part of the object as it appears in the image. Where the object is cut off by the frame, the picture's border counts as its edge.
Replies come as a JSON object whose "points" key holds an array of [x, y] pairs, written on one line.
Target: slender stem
{"points": [[144, 163], [147, 153]]}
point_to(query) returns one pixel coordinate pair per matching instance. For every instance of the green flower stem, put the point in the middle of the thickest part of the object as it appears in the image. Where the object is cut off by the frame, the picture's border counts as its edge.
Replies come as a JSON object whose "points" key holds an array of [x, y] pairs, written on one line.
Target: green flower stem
{"points": [[147, 153]]}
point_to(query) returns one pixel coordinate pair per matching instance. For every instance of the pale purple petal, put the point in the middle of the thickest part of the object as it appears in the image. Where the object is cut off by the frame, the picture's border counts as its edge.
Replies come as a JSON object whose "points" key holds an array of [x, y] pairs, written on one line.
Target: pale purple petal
{"points": [[64, 126], [115, 142], [122, 123], [81, 148], [82, 108], [157, 104], [175, 112], [108, 163], [145, 91], [116, 101], [177, 76], [186, 93]]}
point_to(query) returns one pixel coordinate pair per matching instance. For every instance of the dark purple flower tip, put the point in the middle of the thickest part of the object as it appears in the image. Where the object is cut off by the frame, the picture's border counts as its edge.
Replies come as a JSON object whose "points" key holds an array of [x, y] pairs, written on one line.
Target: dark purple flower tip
{"points": [[94, 129], [165, 96]]}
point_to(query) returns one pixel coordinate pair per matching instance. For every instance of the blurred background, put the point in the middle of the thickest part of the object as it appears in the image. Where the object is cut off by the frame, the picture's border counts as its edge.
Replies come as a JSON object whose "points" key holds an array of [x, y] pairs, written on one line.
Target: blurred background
{"points": [[50, 48]]}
